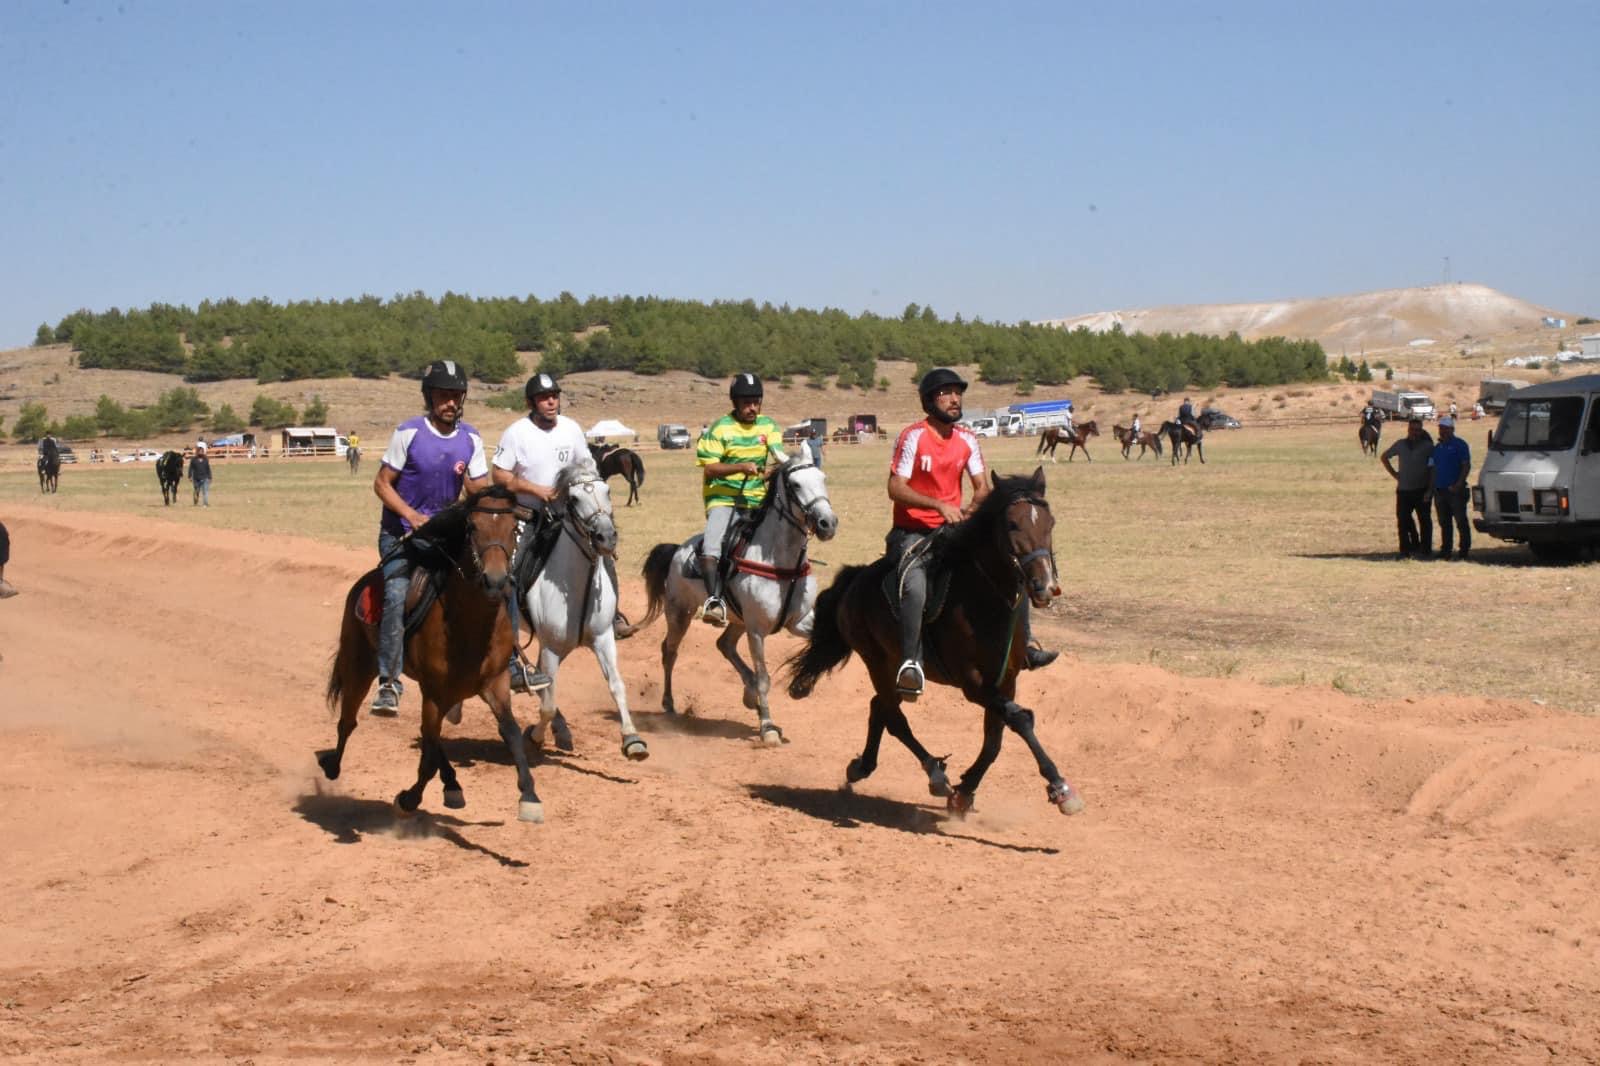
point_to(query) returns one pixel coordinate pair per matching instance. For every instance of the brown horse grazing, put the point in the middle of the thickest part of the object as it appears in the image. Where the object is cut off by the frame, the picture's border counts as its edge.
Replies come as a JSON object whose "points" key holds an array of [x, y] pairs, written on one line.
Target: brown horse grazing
{"points": [[613, 460], [1184, 437], [1368, 434], [460, 648], [1146, 441], [994, 563], [1078, 438]]}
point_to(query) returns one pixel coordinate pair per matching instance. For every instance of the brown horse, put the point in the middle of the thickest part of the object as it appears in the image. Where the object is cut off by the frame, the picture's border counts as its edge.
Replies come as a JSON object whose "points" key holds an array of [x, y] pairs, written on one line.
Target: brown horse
{"points": [[1078, 438], [613, 460], [49, 465], [460, 649], [990, 567], [1368, 434], [1145, 440]]}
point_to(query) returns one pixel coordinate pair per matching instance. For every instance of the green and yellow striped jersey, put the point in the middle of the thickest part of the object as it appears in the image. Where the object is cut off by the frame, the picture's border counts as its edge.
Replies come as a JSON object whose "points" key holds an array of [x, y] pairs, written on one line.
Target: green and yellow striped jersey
{"points": [[731, 441]]}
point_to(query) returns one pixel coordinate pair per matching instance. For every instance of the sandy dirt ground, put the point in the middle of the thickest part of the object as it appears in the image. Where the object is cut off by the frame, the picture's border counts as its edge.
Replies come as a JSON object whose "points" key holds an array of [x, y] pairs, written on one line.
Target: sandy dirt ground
{"points": [[1262, 875]]}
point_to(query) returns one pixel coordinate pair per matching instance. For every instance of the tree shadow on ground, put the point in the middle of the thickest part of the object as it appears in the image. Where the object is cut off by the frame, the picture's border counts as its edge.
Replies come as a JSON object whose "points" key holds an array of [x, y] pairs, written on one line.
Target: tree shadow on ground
{"points": [[348, 819], [845, 809]]}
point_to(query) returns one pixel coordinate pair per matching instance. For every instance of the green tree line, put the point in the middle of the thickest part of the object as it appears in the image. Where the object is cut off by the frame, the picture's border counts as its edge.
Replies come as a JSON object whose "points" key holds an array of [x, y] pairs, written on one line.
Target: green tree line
{"points": [[370, 337], [178, 410]]}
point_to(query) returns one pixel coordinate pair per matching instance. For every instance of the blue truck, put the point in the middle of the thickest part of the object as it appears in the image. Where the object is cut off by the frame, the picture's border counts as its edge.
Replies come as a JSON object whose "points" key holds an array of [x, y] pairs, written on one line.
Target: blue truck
{"points": [[1036, 416]]}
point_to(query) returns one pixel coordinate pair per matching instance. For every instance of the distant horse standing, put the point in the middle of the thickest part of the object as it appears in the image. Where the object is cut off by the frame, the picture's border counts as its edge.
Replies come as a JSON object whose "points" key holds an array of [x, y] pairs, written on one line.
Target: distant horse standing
{"points": [[1186, 435], [49, 467], [460, 648], [1078, 438], [613, 460], [169, 472], [770, 588], [986, 564], [1146, 440]]}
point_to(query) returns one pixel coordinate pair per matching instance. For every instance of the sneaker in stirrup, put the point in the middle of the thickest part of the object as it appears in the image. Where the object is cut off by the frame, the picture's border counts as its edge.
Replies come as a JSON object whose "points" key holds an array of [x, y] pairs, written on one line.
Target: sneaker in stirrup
{"points": [[713, 613], [386, 704], [1038, 658], [524, 679], [909, 681]]}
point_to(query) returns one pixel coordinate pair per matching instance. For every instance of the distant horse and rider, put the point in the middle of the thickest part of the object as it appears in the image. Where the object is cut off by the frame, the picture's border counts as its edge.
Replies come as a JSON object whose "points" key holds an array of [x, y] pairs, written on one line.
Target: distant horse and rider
{"points": [[169, 473], [49, 465], [984, 573], [1369, 433], [459, 638], [352, 455], [770, 586], [613, 460], [1078, 438], [1186, 438], [1146, 440]]}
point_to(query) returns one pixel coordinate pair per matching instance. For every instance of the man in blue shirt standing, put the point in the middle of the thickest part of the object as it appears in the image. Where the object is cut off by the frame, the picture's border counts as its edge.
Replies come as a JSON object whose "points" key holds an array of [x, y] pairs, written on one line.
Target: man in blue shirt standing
{"points": [[1451, 462]]}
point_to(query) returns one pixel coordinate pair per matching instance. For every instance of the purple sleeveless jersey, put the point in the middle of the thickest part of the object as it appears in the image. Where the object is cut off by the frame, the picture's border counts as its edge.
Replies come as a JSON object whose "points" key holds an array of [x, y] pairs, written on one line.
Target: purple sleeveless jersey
{"points": [[432, 467]]}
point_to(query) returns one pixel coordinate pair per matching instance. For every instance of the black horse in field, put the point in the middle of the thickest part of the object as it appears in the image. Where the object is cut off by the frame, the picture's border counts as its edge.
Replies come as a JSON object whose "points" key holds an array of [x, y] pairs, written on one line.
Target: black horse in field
{"points": [[1185, 435], [169, 472], [49, 466], [613, 460]]}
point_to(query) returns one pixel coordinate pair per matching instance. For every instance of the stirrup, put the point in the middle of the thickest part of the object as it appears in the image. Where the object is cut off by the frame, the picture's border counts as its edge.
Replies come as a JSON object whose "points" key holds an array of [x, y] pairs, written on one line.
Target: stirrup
{"points": [[1037, 658], [526, 680], [909, 680], [386, 703], [713, 612]]}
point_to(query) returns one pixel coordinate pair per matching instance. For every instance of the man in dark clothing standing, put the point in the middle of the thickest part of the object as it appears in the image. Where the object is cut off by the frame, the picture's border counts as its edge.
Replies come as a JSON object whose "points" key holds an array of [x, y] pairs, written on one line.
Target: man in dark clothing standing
{"points": [[1412, 489], [1451, 462], [7, 590], [200, 474]]}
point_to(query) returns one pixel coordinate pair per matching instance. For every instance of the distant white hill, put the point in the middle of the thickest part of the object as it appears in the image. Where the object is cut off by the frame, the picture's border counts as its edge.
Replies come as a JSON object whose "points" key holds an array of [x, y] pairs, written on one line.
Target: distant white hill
{"points": [[1389, 318]]}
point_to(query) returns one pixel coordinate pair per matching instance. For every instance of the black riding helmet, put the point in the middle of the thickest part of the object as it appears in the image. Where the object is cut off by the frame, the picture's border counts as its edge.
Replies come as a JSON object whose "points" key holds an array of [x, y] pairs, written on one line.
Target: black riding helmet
{"points": [[541, 384], [936, 379], [444, 374], [745, 386]]}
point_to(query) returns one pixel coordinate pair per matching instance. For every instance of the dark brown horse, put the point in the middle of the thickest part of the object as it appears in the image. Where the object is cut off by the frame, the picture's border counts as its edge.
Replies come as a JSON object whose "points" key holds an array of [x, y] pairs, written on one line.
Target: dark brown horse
{"points": [[1368, 434], [613, 460], [1145, 440], [995, 563], [49, 466], [459, 650], [1185, 438], [169, 472], [1078, 438]]}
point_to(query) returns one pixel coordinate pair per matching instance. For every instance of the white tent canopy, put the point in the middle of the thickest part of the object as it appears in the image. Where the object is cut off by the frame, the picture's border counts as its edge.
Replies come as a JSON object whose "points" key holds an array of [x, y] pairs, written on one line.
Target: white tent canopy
{"points": [[610, 428]]}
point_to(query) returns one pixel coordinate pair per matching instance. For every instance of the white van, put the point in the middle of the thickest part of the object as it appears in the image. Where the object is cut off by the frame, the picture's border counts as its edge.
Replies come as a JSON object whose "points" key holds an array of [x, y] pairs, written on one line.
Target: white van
{"points": [[1539, 481], [984, 427]]}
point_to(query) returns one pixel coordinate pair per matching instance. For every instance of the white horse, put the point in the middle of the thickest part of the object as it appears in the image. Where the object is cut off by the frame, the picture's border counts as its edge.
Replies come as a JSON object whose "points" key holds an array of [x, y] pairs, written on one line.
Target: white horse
{"points": [[573, 601], [772, 588]]}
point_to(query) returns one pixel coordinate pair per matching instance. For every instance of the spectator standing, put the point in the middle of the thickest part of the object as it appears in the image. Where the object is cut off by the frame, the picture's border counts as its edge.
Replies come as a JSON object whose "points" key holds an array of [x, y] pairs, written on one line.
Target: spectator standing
{"points": [[200, 474], [814, 445], [1451, 462], [1411, 489]]}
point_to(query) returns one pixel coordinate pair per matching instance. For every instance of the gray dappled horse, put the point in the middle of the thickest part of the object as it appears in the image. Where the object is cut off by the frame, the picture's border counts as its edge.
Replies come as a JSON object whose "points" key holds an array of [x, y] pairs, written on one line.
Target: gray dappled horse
{"points": [[770, 588]]}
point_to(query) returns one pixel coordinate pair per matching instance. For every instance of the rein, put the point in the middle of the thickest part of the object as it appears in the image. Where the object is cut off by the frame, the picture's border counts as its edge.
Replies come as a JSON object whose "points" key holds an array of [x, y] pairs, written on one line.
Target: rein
{"points": [[802, 565]]}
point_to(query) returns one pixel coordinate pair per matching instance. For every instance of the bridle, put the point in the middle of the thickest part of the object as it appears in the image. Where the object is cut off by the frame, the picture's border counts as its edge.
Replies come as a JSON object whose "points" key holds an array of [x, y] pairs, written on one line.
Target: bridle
{"points": [[509, 550], [584, 532], [1020, 563]]}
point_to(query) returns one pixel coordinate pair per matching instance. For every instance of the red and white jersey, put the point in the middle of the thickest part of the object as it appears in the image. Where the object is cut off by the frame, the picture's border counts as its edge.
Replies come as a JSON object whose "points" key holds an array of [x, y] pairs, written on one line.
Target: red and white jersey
{"points": [[932, 465]]}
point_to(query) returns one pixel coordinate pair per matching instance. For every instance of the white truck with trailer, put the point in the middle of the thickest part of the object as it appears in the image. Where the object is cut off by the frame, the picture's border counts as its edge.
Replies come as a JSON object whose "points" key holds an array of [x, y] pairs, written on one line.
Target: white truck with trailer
{"points": [[1402, 406], [1539, 480]]}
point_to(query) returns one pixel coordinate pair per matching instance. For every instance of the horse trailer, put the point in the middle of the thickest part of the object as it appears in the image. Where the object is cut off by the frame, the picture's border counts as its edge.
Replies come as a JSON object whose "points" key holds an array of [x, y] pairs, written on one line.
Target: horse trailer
{"points": [[1539, 482]]}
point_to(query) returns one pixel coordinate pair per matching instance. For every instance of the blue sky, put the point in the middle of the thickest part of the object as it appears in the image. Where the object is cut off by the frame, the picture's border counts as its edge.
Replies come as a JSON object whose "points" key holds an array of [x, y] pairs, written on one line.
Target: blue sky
{"points": [[1005, 160]]}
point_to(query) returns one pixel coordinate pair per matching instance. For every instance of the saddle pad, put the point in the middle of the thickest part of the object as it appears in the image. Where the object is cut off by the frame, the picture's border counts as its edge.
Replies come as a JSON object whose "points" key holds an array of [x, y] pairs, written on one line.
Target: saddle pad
{"points": [[425, 588], [369, 603]]}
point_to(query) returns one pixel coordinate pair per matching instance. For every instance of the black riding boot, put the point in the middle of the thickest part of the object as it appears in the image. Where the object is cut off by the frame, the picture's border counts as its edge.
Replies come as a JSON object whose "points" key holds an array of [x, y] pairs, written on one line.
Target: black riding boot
{"points": [[913, 600], [713, 612]]}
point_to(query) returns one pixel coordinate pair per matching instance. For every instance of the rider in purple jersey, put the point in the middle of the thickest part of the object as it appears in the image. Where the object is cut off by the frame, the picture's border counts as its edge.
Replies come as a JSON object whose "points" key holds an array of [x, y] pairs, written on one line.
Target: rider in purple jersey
{"points": [[429, 460]]}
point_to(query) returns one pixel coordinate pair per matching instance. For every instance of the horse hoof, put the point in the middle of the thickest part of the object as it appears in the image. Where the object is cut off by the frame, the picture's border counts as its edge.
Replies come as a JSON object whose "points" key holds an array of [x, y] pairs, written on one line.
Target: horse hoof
{"points": [[634, 747], [854, 772], [330, 766], [405, 805], [771, 735], [530, 811], [959, 803], [455, 799], [938, 784], [560, 733], [1065, 798]]}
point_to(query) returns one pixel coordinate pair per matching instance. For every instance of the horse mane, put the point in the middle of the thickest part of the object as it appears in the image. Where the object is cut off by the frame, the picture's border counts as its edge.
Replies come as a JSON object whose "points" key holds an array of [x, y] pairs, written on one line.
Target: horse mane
{"points": [[583, 468], [967, 536], [447, 530]]}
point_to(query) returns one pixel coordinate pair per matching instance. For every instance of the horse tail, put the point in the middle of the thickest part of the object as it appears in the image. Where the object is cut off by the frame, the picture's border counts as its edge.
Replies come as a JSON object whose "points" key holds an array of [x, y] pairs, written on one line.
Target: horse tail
{"points": [[657, 565], [826, 650], [638, 464]]}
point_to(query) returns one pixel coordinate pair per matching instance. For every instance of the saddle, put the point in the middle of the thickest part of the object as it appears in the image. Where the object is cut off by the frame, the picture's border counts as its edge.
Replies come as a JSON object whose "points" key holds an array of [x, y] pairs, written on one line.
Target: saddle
{"points": [[427, 582], [533, 551], [735, 542], [938, 580]]}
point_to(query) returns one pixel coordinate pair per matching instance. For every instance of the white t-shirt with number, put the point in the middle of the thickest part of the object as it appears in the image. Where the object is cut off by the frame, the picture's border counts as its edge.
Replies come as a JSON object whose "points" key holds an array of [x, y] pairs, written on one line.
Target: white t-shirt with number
{"points": [[539, 455]]}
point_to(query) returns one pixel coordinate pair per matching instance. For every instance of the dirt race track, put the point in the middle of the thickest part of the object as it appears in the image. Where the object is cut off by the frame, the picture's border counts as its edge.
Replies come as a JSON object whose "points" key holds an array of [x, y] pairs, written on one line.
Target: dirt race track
{"points": [[1263, 874]]}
